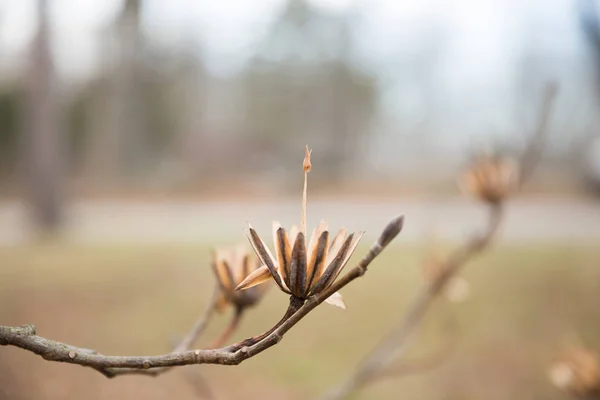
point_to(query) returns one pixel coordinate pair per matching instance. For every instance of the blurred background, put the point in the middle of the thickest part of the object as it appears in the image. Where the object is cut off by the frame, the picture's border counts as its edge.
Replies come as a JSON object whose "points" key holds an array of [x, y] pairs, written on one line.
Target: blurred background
{"points": [[136, 134]]}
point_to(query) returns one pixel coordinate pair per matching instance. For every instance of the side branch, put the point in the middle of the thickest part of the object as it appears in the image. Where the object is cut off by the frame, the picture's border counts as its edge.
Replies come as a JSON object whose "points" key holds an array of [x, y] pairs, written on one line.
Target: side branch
{"points": [[395, 343], [393, 346]]}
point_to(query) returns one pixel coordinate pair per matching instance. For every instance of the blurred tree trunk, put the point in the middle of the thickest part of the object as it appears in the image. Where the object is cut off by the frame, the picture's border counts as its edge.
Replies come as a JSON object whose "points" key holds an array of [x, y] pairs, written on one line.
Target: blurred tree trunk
{"points": [[116, 139], [589, 20], [42, 136], [590, 24], [127, 87], [192, 91]]}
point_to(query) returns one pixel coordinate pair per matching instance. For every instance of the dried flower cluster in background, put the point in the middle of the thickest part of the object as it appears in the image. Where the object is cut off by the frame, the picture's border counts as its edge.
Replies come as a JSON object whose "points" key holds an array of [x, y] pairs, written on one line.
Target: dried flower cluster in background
{"points": [[490, 178], [577, 372], [231, 265]]}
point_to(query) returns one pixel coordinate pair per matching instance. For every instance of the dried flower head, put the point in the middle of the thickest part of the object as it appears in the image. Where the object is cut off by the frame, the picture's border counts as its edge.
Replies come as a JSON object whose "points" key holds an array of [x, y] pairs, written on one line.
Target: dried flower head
{"points": [[577, 372], [302, 268], [490, 178], [230, 266]]}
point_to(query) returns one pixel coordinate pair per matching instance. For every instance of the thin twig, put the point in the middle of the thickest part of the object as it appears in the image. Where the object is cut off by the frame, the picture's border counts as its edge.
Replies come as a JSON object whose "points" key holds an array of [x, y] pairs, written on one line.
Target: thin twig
{"points": [[395, 344], [231, 328], [188, 341], [295, 305], [25, 337]]}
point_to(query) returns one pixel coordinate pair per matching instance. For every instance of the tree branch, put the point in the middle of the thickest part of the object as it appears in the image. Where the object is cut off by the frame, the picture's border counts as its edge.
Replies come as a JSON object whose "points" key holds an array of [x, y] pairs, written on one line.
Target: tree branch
{"points": [[395, 344], [231, 328], [188, 341], [25, 337]]}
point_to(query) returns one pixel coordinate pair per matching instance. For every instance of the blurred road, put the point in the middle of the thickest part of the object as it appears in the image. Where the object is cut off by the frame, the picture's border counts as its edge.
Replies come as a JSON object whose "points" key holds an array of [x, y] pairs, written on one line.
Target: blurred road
{"points": [[528, 220]]}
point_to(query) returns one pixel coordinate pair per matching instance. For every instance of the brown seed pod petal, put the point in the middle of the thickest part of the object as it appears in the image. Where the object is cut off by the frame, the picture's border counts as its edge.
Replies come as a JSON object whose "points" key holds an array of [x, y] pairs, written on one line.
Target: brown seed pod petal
{"points": [[257, 277], [266, 257], [222, 272], [298, 281], [333, 268], [336, 245], [318, 257], [284, 254]]}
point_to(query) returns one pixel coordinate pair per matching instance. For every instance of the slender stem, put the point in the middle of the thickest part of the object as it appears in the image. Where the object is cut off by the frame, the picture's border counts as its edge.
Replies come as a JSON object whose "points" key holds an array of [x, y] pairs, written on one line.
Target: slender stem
{"points": [[303, 220], [306, 167], [396, 342], [231, 328], [295, 305], [188, 341]]}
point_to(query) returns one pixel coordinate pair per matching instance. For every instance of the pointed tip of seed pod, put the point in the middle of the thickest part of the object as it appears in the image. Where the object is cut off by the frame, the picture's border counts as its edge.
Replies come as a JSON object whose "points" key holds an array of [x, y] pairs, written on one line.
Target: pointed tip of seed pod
{"points": [[306, 165], [391, 231]]}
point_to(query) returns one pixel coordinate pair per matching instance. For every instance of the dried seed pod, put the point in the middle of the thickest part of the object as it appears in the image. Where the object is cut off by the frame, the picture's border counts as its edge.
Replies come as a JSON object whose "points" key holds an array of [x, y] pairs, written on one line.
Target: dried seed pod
{"points": [[230, 266], [490, 178], [302, 267]]}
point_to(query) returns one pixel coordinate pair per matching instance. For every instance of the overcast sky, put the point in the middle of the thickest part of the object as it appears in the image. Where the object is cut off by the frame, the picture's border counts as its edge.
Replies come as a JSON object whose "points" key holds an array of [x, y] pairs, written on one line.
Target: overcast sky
{"points": [[227, 29], [484, 40]]}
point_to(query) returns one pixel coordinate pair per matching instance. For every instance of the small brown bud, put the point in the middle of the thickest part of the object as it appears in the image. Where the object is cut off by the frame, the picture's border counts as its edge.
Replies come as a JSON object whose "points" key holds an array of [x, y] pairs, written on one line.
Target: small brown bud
{"points": [[391, 231], [72, 355], [306, 165], [146, 364]]}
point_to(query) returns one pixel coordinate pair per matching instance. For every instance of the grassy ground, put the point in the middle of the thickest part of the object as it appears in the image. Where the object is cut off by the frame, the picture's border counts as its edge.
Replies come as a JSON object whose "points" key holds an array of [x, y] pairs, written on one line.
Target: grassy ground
{"points": [[121, 300]]}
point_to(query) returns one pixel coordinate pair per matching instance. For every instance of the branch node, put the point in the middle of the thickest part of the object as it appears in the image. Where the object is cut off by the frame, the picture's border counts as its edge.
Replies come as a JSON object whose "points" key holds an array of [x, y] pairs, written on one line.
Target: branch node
{"points": [[244, 350], [146, 364], [72, 355]]}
